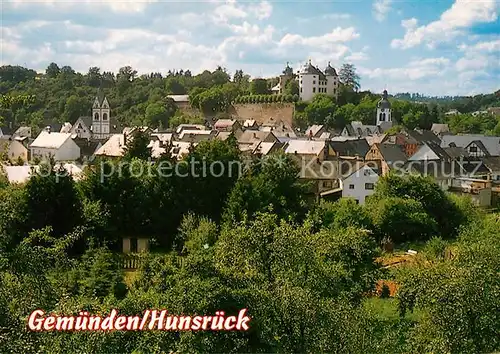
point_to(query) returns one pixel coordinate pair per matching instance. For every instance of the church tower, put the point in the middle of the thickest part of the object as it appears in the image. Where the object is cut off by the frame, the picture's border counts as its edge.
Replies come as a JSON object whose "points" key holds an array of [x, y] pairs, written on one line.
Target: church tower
{"points": [[100, 117], [384, 112]]}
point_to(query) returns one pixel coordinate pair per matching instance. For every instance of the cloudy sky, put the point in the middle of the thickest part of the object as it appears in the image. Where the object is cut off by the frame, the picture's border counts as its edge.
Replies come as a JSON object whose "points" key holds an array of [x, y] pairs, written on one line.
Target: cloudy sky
{"points": [[436, 47]]}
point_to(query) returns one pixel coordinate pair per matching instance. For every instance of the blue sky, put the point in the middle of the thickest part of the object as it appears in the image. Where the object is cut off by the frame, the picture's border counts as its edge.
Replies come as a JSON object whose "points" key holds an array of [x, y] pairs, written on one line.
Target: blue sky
{"points": [[445, 47]]}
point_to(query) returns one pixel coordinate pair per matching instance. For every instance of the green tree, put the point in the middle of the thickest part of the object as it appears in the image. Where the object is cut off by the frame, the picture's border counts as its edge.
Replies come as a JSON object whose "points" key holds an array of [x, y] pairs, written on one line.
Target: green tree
{"points": [[52, 200], [348, 76], [137, 146], [259, 87], [52, 70]]}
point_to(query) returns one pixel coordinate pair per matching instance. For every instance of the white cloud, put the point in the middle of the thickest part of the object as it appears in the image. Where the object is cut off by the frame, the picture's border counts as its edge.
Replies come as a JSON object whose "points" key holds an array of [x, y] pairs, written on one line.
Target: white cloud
{"points": [[357, 56], [484, 47], [262, 10], [381, 8], [331, 16], [462, 15], [114, 5], [415, 70], [479, 56], [337, 35]]}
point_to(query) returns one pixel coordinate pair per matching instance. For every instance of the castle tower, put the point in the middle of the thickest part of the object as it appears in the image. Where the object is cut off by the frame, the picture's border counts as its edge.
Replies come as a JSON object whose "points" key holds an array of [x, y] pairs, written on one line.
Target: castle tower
{"points": [[384, 111], [332, 81], [100, 117]]}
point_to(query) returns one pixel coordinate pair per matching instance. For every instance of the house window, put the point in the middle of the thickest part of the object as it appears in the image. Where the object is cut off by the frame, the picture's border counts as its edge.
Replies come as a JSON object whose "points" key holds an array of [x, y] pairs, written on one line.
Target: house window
{"points": [[351, 186], [327, 184], [369, 186], [105, 116], [314, 89], [314, 82], [473, 149], [96, 116], [301, 89]]}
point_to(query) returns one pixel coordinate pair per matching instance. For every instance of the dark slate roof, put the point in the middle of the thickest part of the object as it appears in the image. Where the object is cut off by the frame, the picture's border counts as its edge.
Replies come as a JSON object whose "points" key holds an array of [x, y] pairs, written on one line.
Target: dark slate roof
{"points": [[392, 153], [55, 127], [350, 148], [424, 136], [87, 147], [438, 150], [87, 121], [114, 126], [362, 130], [441, 169], [475, 167], [492, 163], [456, 152], [384, 102], [330, 71], [309, 69]]}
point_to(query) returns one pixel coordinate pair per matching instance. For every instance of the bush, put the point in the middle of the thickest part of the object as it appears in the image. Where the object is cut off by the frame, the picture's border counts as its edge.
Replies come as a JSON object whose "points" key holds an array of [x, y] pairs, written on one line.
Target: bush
{"points": [[435, 248]]}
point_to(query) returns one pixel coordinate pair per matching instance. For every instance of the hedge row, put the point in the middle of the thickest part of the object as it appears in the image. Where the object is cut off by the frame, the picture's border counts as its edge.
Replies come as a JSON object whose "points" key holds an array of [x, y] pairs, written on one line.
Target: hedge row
{"points": [[266, 98]]}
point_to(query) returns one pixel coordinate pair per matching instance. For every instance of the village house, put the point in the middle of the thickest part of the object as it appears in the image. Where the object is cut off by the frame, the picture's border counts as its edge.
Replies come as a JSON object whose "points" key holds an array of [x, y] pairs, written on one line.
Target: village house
{"points": [[479, 190], [135, 244], [82, 128], [113, 147], [359, 184], [60, 146], [13, 150], [21, 174], [227, 125], [251, 124], [88, 148], [181, 101], [196, 136], [475, 144], [181, 127], [315, 131], [357, 148], [440, 129], [386, 157], [23, 132]]}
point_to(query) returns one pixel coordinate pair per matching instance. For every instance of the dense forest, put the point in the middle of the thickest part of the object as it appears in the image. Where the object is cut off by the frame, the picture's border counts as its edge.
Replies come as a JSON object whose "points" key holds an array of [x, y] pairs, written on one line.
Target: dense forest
{"points": [[305, 271], [62, 95]]}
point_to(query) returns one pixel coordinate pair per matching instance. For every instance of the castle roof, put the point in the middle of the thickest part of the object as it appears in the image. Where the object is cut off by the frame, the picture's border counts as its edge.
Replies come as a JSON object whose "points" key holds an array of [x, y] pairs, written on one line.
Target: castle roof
{"points": [[330, 71], [309, 69]]}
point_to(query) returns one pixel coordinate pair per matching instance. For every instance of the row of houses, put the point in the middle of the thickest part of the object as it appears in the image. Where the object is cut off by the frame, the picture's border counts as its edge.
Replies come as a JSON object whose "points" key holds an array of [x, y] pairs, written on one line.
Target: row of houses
{"points": [[339, 163]]}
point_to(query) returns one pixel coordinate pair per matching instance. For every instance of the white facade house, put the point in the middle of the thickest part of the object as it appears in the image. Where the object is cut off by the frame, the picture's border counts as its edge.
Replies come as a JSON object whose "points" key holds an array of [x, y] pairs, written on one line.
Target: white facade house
{"points": [[82, 128], [58, 145], [313, 81], [384, 112], [101, 118], [359, 184]]}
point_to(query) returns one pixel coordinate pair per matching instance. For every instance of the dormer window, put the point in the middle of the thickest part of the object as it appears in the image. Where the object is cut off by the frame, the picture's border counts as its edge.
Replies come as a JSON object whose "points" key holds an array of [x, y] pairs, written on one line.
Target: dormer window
{"points": [[96, 116], [104, 116]]}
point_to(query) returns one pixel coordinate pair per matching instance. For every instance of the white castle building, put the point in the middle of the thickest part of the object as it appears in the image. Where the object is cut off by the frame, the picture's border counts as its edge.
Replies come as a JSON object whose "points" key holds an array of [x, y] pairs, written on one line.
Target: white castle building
{"points": [[313, 81]]}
